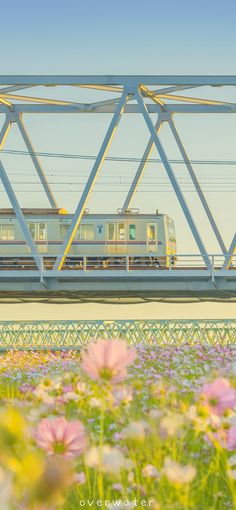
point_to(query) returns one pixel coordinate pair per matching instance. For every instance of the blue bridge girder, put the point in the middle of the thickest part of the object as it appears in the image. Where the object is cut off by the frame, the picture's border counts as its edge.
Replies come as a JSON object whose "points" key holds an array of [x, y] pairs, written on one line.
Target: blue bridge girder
{"points": [[118, 285], [142, 95]]}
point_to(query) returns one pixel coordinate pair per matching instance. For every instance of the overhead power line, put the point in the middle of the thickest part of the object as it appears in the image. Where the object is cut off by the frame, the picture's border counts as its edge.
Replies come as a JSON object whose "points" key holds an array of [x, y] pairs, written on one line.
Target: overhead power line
{"points": [[115, 158]]}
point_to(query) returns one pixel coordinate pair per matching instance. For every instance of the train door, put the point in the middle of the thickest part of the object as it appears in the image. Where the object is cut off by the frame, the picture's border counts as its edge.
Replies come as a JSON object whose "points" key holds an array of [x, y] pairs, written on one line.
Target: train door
{"points": [[151, 238], [39, 234], [116, 238]]}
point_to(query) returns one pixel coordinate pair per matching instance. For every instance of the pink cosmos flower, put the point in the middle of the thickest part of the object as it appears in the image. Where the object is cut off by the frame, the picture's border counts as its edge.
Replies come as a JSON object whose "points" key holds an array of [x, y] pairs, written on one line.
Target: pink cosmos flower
{"points": [[225, 437], [58, 436], [231, 438], [107, 359], [80, 478], [218, 396]]}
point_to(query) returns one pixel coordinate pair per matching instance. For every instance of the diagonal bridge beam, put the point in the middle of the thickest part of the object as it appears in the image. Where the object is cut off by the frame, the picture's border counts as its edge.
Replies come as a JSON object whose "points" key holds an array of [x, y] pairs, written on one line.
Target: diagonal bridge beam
{"points": [[197, 185], [173, 180], [143, 163], [230, 254], [20, 216], [90, 183], [133, 188], [39, 169], [4, 132]]}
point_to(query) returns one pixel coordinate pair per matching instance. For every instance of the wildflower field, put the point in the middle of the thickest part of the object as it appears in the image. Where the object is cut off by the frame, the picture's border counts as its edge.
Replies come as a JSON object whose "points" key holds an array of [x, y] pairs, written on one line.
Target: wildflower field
{"points": [[115, 426]]}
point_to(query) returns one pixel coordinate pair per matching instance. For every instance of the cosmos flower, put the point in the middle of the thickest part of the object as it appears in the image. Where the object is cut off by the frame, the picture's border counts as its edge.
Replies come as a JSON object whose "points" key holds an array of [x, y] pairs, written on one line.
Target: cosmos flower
{"points": [[150, 471], [105, 458], [171, 424], [107, 360], [218, 396], [80, 478], [225, 437], [231, 471], [136, 430], [178, 473], [58, 436], [122, 395], [231, 438]]}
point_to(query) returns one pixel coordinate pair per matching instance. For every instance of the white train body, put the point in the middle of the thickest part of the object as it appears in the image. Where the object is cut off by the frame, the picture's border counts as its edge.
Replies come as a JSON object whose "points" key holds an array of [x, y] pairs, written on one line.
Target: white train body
{"points": [[102, 235]]}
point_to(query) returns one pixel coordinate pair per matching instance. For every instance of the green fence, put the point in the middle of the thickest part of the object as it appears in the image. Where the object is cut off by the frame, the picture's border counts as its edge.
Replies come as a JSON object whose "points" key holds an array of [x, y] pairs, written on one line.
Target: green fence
{"points": [[73, 334]]}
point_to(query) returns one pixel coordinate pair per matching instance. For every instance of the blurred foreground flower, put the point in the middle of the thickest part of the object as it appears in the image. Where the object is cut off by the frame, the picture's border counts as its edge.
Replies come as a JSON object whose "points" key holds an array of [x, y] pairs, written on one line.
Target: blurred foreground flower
{"points": [[5, 489], [225, 437], [171, 424], [218, 396], [231, 471], [122, 395], [60, 437], [50, 490], [150, 471], [108, 360], [105, 458], [178, 473], [136, 430], [80, 478]]}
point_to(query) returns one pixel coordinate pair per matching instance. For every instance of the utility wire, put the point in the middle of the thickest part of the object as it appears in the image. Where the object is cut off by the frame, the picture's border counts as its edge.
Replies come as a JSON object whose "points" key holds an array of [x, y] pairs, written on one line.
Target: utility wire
{"points": [[114, 158]]}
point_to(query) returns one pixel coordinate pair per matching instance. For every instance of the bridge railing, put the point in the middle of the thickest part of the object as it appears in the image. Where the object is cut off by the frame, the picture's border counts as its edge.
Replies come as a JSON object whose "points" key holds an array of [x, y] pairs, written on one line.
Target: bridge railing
{"points": [[117, 262]]}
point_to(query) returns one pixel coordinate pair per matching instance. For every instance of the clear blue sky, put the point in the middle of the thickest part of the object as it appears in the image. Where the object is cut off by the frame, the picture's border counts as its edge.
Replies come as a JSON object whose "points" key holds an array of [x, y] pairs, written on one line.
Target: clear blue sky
{"points": [[180, 36], [126, 37]]}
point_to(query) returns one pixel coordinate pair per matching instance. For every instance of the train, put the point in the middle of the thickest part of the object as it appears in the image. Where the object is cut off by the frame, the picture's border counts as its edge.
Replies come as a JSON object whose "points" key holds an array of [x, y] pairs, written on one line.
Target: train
{"points": [[102, 236]]}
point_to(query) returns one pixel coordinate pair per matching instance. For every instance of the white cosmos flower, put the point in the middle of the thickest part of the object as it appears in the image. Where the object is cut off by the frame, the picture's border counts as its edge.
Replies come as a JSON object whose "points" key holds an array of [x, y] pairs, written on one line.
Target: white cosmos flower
{"points": [[232, 460], [150, 471], [122, 395], [105, 458], [96, 402], [155, 413], [178, 473], [231, 473], [172, 423], [136, 430]]}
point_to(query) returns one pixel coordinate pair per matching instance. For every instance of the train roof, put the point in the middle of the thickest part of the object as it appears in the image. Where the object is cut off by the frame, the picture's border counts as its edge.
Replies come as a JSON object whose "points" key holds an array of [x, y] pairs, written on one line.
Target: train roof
{"points": [[63, 213], [34, 212]]}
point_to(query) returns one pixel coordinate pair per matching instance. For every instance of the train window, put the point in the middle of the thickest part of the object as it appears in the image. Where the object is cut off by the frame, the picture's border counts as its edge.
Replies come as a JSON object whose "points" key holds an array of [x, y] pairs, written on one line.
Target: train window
{"points": [[42, 232], [7, 232], [63, 230], [86, 233], [111, 231], [132, 232], [121, 231], [32, 229], [151, 233], [171, 229]]}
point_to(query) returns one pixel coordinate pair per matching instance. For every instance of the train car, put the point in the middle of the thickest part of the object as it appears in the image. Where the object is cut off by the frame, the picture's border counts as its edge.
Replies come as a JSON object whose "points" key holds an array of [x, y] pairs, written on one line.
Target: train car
{"points": [[106, 236]]}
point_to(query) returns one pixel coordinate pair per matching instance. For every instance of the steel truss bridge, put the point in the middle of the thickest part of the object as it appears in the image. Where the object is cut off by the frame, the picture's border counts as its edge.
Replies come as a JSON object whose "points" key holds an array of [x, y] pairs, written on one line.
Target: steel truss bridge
{"points": [[214, 278], [74, 334]]}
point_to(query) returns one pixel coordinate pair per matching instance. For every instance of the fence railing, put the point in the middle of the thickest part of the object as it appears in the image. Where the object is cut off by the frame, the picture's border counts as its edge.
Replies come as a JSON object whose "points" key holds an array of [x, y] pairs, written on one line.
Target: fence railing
{"points": [[74, 334], [119, 262]]}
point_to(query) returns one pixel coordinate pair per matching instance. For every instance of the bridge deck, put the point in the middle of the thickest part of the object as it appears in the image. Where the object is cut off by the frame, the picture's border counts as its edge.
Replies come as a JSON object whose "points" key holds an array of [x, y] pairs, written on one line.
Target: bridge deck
{"points": [[122, 278]]}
